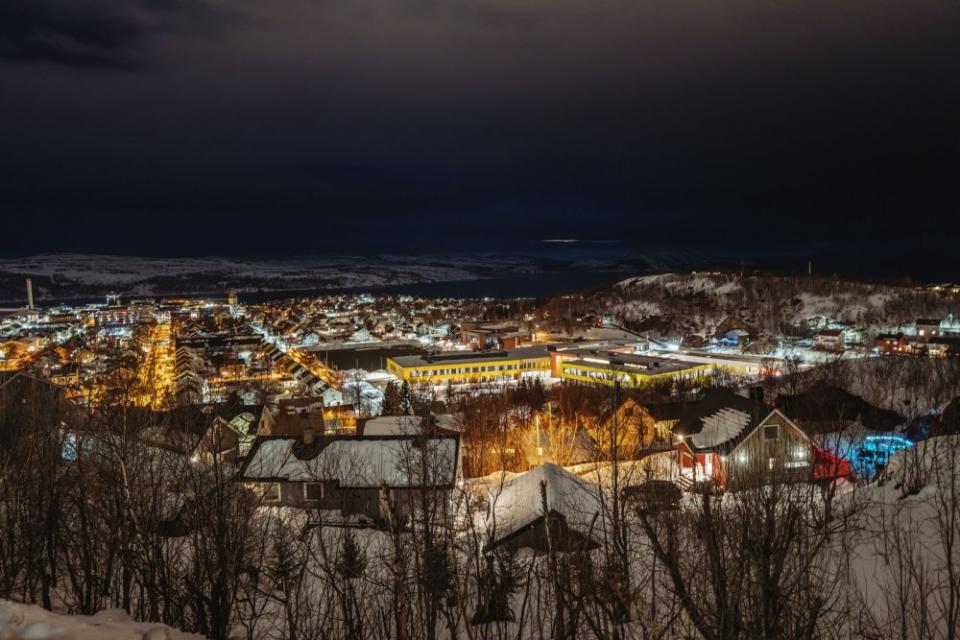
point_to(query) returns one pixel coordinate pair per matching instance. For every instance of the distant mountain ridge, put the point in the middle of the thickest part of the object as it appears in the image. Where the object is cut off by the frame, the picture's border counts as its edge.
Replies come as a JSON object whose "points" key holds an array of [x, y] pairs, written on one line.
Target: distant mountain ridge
{"points": [[76, 276]]}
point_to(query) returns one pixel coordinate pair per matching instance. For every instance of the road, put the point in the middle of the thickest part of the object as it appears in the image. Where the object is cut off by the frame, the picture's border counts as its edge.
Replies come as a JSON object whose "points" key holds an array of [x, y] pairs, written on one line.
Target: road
{"points": [[155, 376]]}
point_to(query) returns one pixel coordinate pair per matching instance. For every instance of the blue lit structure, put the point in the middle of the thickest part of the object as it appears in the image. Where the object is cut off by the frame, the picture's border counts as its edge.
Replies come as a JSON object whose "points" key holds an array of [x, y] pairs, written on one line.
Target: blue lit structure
{"points": [[876, 451]]}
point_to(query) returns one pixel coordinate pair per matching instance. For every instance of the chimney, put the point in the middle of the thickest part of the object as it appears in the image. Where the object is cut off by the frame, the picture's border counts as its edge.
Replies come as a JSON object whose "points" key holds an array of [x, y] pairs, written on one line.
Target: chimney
{"points": [[308, 435], [29, 294]]}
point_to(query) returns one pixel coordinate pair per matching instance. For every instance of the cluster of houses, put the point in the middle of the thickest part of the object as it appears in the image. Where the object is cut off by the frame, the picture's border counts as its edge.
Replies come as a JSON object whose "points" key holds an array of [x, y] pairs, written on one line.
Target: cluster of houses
{"points": [[828, 335], [721, 442], [318, 454], [935, 337], [930, 337], [290, 394], [358, 319]]}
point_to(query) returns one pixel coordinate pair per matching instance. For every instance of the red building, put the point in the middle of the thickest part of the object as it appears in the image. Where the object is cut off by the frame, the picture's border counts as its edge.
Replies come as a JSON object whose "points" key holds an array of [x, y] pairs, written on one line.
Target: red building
{"points": [[893, 343], [827, 466]]}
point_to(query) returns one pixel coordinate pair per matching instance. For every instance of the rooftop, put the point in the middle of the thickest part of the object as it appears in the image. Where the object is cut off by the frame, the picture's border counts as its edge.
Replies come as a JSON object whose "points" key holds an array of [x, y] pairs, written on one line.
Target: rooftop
{"points": [[626, 362], [356, 461], [457, 357]]}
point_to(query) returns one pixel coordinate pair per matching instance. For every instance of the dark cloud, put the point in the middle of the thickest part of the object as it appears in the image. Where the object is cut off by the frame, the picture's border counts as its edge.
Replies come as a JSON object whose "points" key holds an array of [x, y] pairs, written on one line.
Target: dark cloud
{"points": [[93, 32], [443, 122]]}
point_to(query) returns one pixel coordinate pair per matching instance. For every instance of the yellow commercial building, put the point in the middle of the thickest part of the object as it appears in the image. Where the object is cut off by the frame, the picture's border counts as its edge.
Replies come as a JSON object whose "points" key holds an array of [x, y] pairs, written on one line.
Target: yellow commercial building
{"points": [[629, 370], [472, 367]]}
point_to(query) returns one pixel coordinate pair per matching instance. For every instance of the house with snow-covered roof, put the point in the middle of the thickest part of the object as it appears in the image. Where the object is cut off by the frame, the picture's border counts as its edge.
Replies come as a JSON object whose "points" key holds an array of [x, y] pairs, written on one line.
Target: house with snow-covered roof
{"points": [[546, 507], [332, 397], [729, 442], [350, 477], [950, 326], [829, 340]]}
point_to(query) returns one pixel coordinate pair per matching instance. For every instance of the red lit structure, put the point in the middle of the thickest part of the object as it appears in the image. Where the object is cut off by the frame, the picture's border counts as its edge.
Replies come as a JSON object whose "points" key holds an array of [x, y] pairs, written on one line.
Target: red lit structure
{"points": [[827, 466]]}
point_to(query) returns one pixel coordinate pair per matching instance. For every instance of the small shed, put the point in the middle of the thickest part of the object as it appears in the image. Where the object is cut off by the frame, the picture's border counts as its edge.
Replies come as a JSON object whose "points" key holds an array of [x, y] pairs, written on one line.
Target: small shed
{"points": [[517, 516]]}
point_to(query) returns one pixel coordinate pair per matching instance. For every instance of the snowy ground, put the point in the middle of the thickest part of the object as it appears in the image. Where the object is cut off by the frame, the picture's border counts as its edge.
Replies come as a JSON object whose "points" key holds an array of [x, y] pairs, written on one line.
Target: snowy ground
{"points": [[28, 622], [903, 558]]}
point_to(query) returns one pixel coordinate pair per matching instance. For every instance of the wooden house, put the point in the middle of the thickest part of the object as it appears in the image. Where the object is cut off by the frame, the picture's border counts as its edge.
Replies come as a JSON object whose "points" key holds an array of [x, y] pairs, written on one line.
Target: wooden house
{"points": [[728, 442], [829, 340], [634, 429], [353, 479], [893, 343]]}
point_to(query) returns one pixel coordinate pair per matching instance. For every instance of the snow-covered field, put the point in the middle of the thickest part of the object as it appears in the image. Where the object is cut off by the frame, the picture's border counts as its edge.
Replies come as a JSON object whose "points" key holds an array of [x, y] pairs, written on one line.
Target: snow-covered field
{"points": [[28, 622], [903, 555]]}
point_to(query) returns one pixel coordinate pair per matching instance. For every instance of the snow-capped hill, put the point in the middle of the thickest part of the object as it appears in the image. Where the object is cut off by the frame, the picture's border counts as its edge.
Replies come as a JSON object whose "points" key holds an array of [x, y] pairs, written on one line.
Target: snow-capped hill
{"points": [[29, 622], [697, 303], [682, 283]]}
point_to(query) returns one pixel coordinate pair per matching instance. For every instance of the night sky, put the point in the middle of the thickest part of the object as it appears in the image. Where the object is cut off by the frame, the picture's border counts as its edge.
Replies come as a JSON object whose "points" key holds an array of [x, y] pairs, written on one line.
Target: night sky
{"points": [[191, 127]]}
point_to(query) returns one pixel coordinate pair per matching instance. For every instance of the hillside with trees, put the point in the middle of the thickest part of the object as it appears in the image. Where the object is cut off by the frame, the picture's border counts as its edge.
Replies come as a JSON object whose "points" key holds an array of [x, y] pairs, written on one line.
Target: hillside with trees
{"points": [[674, 305]]}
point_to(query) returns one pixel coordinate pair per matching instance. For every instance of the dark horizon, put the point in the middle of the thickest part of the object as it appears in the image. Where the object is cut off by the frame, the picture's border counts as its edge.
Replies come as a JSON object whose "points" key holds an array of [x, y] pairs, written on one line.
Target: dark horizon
{"points": [[412, 126]]}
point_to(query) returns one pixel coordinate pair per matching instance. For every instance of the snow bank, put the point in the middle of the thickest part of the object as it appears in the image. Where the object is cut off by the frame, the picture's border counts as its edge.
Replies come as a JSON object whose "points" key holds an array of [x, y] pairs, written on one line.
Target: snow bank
{"points": [[931, 463], [29, 622], [659, 466]]}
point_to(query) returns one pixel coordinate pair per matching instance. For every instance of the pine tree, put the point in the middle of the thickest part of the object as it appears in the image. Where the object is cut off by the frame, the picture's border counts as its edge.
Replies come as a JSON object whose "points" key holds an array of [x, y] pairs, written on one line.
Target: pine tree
{"points": [[406, 398], [392, 400], [501, 578], [352, 561]]}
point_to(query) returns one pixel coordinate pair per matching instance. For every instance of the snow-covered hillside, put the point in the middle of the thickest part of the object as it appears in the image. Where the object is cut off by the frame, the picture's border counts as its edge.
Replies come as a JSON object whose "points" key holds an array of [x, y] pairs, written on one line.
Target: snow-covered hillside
{"points": [[28, 622], [699, 304], [903, 554], [121, 271]]}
